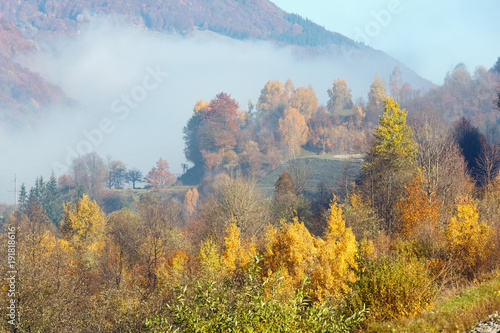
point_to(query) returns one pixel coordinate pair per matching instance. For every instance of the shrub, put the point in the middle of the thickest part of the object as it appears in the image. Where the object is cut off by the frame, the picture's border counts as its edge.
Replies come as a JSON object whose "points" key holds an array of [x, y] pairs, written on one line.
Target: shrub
{"points": [[391, 287], [249, 305]]}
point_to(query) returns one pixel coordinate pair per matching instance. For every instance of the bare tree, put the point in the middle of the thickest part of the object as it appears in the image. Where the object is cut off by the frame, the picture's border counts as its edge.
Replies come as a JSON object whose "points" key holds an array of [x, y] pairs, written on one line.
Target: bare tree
{"points": [[301, 175], [89, 171], [235, 200], [133, 176], [116, 174], [488, 164], [439, 158]]}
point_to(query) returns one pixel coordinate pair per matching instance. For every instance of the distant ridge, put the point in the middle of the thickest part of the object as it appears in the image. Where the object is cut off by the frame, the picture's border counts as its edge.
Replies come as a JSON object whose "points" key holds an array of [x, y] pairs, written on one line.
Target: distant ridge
{"points": [[240, 19]]}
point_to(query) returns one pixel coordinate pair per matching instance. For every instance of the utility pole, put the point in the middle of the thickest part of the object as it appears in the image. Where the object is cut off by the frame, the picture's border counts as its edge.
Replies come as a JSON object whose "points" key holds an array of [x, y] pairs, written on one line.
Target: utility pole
{"points": [[15, 192]]}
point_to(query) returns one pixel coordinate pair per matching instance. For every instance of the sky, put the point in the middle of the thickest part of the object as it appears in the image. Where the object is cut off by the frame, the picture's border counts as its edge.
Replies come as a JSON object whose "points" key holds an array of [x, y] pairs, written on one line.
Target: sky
{"points": [[431, 37]]}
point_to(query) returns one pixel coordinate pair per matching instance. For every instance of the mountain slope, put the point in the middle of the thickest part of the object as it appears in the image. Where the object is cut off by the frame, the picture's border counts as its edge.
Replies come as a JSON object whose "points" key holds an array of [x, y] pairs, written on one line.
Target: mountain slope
{"points": [[21, 91], [241, 19]]}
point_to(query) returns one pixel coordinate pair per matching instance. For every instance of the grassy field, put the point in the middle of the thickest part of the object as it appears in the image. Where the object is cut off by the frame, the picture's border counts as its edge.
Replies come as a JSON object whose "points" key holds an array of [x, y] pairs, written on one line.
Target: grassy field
{"points": [[320, 168]]}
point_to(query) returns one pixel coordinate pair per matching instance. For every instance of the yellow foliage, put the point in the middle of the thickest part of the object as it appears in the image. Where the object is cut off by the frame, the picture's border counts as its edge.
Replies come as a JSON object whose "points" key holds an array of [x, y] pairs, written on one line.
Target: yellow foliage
{"points": [[419, 214], [210, 259], [84, 225], [296, 255], [467, 237], [293, 252], [200, 105], [174, 270], [393, 136], [336, 254], [236, 255]]}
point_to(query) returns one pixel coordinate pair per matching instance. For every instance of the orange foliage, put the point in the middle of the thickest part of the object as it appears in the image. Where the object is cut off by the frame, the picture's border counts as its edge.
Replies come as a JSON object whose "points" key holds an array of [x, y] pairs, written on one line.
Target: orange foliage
{"points": [[418, 212], [160, 176]]}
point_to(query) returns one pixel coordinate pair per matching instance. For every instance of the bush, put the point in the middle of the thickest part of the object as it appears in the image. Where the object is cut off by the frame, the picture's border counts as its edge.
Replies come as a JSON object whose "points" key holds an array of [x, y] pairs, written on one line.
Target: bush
{"points": [[391, 287], [249, 305]]}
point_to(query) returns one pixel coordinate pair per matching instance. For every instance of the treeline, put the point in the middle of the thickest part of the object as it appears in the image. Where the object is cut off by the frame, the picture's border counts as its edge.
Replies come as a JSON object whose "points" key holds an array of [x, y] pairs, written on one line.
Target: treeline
{"points": [[220, 137]]}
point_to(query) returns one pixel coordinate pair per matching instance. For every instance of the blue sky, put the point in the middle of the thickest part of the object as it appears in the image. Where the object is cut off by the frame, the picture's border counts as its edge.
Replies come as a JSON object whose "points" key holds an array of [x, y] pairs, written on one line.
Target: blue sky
{"points": [[431, 37]]}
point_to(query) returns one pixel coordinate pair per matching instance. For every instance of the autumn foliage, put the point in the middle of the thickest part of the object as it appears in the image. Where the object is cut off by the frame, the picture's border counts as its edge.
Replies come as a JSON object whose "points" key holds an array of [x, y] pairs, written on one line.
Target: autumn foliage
{"points": [[160, 176]]}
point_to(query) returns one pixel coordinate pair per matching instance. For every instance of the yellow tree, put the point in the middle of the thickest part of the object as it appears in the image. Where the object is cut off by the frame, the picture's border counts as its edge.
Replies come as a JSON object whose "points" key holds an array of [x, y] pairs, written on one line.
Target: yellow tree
{"points": [[84, 225], [305, 100], [293, 131], [336, 257], [340, 97], [467, 237], [389, 164], [271, 97], [290, 252], [190, 202], [376, 96], [210, 259], [237, 255]]}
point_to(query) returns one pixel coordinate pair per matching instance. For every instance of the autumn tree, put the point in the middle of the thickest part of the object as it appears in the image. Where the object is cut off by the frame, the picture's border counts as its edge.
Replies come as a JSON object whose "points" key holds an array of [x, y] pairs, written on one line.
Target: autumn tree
{"points": [[305, 100], [395, 83], [221, 123], [320, 132], [419, 213], [238, 253], [438, 156], [84, 226], [340, 97], [293, 132], [123, 253], [66, 183], [361, 217], [190, 202], [290, 251], [376, 98], [160, 176], [272, 97], [235, 200], [273, 101], [389, 163], [211, 133], [116, 174], [295, 254], [467, 237], [336, 258], [251, 159], [160, 216]]}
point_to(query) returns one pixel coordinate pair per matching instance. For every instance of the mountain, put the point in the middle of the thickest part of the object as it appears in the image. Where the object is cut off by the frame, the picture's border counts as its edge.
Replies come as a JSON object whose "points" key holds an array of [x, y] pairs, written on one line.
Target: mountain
{"points": [[240, 19], [21, 91], [43, 20]]}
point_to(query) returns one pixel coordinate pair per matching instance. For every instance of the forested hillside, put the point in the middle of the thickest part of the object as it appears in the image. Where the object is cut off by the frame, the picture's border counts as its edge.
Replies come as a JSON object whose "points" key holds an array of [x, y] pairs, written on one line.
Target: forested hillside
{"points": [[238, 19]]}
